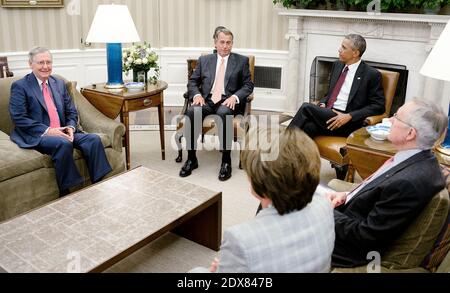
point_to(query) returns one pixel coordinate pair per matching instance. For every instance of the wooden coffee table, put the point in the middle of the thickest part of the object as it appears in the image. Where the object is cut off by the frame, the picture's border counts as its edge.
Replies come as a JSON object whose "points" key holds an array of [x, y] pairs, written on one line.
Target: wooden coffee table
{"points": [[367, 155], [92, 229]]}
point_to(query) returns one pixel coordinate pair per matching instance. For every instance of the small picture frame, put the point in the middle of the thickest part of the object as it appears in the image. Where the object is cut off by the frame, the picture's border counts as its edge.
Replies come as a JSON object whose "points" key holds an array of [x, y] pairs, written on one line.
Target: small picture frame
{"points": [[32, 3]]}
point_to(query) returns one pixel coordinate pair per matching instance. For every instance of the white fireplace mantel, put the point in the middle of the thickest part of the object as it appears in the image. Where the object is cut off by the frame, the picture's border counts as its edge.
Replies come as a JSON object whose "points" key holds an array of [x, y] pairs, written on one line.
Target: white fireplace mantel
{"points": [[359, 15], [404, 39]]}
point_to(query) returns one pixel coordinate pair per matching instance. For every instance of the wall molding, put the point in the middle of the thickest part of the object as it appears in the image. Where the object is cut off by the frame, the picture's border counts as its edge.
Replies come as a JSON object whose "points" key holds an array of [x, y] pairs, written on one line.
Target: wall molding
{"points": [[89, 66]]}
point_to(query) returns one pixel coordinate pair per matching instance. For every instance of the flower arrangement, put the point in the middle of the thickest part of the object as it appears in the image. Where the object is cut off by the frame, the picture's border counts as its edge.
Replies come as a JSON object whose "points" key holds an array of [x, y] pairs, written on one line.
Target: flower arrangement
{"points": [[141, 58]]}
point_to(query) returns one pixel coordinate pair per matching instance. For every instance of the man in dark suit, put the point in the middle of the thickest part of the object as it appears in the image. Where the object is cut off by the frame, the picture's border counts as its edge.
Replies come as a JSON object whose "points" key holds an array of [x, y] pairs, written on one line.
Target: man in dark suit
{"points": [[220, 85], [355, 92], [46, 119], [380, 209]]}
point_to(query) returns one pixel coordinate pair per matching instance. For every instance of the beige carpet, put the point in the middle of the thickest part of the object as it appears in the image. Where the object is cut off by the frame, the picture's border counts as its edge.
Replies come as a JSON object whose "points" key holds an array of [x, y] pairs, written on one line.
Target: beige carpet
{"points": [[171, 253]]}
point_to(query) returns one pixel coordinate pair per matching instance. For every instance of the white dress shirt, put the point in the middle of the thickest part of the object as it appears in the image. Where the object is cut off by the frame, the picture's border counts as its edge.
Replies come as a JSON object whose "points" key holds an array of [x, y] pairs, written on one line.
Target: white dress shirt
{"points": [[225, 63], [342, 98]]}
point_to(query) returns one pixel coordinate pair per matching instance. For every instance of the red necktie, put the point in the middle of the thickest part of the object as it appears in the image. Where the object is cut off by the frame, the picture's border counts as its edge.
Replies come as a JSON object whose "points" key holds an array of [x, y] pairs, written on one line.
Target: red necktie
{"points": [[218, 86], [337, 88], [51, 109]]}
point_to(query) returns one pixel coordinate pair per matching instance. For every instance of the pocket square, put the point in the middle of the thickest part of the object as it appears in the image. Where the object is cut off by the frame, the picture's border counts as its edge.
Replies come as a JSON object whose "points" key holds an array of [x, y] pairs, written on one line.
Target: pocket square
{"points": [[359, 77]]}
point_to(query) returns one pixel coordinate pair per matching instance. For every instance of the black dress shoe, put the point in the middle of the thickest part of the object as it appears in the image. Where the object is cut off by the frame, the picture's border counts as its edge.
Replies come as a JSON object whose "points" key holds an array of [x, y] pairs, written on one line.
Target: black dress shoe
{"points": [[225, 171], [187, 168]]}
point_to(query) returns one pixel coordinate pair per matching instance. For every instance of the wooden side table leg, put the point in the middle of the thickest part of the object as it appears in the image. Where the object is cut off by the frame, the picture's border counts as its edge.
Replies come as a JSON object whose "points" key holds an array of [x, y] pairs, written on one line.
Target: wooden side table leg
{"points": [[124, 118], [350, 173], [161, 128]]}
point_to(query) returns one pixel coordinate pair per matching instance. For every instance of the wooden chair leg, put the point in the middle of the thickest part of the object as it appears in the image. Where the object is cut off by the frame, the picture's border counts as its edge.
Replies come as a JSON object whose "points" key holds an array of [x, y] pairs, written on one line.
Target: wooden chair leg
{"points": [[240, 162], [341, 171]]}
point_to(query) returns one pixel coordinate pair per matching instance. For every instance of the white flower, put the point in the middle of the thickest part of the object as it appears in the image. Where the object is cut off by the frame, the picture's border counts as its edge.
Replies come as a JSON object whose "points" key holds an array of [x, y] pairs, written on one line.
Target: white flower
{"points": [[141, 57]]}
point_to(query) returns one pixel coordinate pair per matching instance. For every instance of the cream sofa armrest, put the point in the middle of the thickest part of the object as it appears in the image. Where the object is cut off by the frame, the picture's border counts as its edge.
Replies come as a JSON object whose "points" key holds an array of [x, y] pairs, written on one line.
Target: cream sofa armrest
{"points": [[339, 185], [93, 121]]}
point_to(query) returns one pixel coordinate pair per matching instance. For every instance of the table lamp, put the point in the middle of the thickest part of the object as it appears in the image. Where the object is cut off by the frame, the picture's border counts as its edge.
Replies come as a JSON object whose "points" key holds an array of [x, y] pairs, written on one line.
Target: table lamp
{"points": [[113, 25], [437, 66]]}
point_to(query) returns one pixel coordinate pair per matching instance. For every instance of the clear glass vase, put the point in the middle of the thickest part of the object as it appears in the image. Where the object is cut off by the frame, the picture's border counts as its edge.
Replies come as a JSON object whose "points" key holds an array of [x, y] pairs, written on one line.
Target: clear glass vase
{"points": [[140, 75]]}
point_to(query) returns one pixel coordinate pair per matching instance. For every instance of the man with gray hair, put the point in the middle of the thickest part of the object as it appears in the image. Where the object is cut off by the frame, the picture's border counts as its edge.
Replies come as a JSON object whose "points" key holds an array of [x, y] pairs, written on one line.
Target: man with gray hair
{"points": [[219, 86], [355, 92], [46, 119], [373, 215]]}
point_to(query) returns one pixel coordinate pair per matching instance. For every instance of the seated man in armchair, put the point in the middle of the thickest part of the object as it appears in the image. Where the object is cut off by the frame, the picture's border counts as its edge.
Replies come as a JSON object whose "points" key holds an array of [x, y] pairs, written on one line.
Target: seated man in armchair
{"points": [[373, 215], [220, 85], [355, 92]]}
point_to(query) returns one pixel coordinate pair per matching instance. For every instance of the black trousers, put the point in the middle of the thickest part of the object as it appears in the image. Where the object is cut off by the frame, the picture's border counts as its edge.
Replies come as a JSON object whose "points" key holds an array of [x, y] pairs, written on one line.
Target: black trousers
{"points": [[312, 119], [223, 117]]}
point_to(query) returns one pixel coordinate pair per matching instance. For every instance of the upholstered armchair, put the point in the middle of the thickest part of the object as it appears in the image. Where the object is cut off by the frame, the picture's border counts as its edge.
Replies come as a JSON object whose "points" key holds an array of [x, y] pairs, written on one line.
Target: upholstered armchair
{"points": [[332, 148]]}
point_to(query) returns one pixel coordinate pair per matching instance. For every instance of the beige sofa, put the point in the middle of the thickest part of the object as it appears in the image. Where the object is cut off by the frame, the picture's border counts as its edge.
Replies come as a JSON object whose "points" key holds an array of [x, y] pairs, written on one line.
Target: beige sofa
{"points": [[27, 178]]}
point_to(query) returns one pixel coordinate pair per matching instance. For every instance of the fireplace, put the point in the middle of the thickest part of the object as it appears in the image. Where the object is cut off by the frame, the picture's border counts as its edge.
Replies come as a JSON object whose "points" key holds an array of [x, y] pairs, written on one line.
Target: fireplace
{"points": [[320, 74]]}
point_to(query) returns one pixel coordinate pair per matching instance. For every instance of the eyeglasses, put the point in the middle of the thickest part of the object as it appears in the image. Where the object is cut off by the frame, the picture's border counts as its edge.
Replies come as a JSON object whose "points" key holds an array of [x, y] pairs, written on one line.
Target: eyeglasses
{"points": [[396, 117], [42, 63]]}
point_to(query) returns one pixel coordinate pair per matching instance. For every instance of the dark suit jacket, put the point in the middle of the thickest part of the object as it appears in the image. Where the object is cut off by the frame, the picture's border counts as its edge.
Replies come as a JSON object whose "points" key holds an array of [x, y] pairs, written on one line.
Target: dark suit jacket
{"points": [[366, 95], [29, 112], [237, 78], [383, 209]]}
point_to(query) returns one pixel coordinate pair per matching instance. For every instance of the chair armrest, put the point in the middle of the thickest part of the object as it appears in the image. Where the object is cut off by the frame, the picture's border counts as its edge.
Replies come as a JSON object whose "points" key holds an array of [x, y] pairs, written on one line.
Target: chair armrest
{"points": [[372, 120], [186, 103], [339, 185], [93, 121]]}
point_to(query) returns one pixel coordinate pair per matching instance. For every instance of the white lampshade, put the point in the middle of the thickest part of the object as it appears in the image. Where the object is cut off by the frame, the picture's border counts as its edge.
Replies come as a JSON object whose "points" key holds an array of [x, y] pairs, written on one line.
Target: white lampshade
{"points": [[112, 24], [437, 64]]}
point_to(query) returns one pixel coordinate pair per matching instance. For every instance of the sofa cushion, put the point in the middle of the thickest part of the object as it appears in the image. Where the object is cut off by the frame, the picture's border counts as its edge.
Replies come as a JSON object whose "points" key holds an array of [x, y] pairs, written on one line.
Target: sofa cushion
{"points": [[409, 250], [15, 161]]}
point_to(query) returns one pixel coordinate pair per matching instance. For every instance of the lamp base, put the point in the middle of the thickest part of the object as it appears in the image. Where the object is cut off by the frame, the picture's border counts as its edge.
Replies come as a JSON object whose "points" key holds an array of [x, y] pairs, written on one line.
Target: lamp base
{"points": [[114, 64], [443, 149], [114, 85]]}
